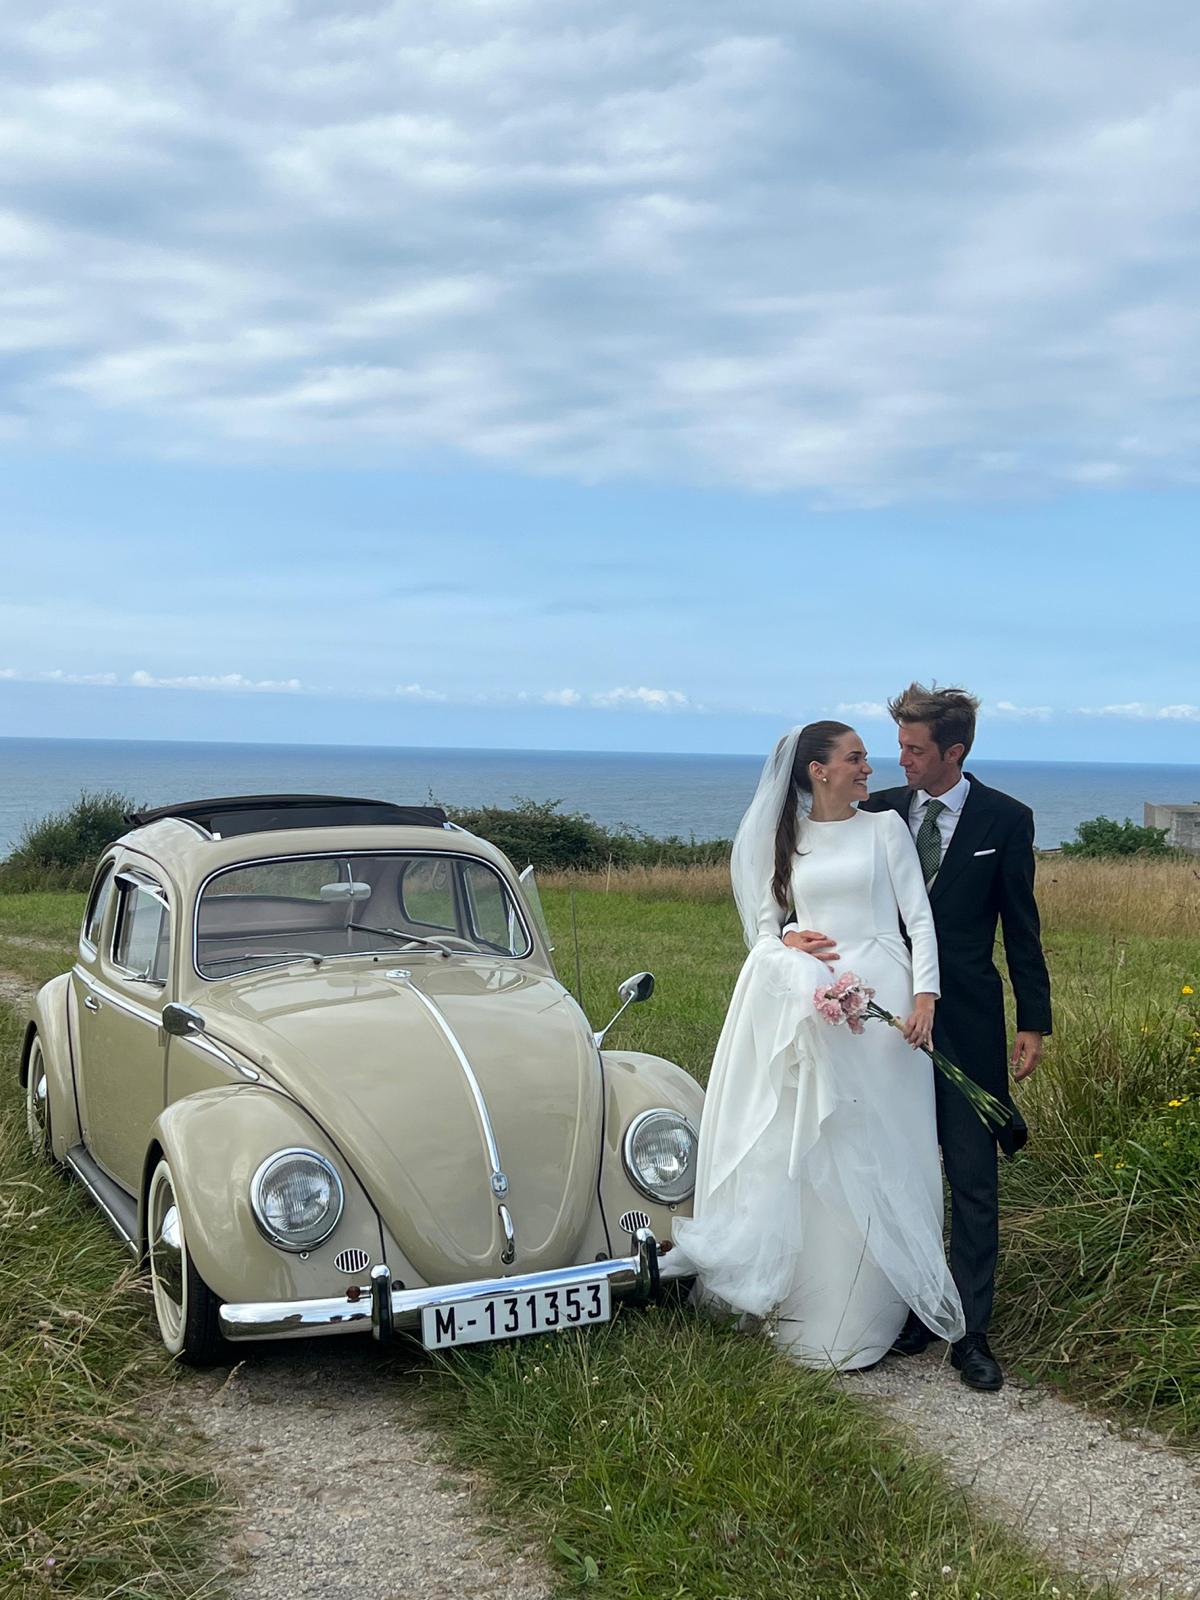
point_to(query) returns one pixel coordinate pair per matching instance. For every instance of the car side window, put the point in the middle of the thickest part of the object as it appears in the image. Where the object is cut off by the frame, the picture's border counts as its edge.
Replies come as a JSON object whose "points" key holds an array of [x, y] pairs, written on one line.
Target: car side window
{"points": [[493, 914], [427, 893], [141, 939], [98, 904]]}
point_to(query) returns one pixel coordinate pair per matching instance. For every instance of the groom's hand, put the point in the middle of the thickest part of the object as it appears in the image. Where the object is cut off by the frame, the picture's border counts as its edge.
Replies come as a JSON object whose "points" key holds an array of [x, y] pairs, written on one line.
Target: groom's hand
{"points": [[813, 944], [1026, 1053]]}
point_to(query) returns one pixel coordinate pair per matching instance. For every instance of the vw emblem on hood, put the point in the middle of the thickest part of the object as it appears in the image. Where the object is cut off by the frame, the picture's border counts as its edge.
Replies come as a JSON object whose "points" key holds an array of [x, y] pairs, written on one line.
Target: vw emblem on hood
{"points": [[499, 1185]]}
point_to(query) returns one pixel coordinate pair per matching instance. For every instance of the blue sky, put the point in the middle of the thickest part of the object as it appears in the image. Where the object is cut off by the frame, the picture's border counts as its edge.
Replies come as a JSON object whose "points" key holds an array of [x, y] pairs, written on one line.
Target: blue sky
{"points": [[579, 375]]}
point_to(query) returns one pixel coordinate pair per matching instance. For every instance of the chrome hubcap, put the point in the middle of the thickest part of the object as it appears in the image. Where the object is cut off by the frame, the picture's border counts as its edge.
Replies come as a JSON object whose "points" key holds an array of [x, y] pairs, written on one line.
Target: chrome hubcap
{"points": [[166, 1259]]}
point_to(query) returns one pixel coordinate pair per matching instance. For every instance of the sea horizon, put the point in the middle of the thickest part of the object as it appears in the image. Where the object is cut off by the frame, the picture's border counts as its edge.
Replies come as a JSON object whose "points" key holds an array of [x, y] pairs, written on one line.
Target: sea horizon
{"points": [[697, 794]]}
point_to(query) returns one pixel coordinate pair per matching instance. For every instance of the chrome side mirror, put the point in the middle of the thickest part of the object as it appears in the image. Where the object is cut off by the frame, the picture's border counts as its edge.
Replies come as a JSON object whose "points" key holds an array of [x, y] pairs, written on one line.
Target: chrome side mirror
{"points": [[180, 1021], [634, 990]]}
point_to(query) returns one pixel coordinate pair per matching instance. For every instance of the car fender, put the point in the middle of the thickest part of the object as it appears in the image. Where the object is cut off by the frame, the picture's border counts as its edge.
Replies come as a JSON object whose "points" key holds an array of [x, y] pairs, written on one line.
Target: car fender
{"points": [[635, 1082], [214, 1142], [52, 1020]]}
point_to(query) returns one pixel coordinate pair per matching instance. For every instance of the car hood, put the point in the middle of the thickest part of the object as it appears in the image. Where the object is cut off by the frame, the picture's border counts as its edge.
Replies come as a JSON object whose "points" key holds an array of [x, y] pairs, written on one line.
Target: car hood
{"points": [[366, 1054]]}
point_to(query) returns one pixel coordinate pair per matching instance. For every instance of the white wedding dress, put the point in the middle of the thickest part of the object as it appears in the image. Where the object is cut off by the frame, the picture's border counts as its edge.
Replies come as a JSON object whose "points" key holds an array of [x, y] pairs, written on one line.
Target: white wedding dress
{"points": [[818, 1202]]}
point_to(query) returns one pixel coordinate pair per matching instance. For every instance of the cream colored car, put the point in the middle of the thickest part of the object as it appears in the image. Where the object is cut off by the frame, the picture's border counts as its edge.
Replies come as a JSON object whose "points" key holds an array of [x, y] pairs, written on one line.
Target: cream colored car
{"points": [[314, 1064]]}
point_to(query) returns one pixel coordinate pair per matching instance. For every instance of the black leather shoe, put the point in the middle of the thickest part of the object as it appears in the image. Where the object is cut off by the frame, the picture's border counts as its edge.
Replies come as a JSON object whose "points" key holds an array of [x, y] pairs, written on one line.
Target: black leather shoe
{"points": [[976, 1364], [913, 1337]]}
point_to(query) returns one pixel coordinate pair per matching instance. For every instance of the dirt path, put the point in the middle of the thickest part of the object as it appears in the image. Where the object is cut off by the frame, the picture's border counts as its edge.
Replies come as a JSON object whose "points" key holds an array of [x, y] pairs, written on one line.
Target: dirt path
{"points": [[340, 1485], [1108, 1504]]}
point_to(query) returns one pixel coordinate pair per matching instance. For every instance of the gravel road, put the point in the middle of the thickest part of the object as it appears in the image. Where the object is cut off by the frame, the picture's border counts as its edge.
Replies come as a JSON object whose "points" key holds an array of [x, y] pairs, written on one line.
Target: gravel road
{"points": [[1106, 1502], [341, 1488]]}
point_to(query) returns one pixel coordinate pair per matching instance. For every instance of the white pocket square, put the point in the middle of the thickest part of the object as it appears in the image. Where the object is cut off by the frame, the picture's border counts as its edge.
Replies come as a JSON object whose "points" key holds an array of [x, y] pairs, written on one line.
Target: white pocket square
{"points": [[990, 852]]}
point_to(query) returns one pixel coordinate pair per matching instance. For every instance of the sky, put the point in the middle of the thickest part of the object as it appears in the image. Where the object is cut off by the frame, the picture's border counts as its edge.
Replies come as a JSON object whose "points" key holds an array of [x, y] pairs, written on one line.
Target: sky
{"points": [[557, 374]]}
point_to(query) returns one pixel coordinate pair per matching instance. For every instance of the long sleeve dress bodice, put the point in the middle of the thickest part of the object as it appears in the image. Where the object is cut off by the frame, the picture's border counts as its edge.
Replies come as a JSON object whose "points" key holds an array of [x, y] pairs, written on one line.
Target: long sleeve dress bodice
{"points": [[854, 880], [818, 1191]]}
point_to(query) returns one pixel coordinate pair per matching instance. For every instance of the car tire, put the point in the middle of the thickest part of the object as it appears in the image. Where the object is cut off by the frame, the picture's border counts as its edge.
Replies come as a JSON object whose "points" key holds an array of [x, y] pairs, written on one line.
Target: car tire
{"points": [[37, 1103], [184, 1306]]}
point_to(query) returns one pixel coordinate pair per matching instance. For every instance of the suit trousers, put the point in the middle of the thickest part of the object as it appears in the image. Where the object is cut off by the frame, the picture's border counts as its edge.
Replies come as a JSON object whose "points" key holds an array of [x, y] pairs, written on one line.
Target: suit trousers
{"points": [[969, 1159]]}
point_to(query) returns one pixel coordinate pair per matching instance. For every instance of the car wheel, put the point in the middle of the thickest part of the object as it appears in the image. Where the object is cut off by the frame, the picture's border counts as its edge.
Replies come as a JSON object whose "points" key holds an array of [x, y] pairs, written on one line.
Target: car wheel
{"points": [[37, 1103], [186, 1308]]}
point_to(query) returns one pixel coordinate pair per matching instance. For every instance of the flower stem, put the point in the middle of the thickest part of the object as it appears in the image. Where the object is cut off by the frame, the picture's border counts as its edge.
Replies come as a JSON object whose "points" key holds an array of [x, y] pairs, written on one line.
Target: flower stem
{"points": [[985, 1106]]}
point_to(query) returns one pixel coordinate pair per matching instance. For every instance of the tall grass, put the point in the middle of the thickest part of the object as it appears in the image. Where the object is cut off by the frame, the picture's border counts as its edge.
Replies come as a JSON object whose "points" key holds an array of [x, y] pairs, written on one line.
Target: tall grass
{"points": [[1121, 898], [98, 1496]]}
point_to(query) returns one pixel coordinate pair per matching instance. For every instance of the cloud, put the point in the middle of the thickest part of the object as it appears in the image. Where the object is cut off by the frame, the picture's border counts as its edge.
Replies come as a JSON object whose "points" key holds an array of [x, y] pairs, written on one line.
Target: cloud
{"points": [[1005, 708], [415, 691], [869, 254], [650, 699], [863, 708], [562, 697], [92, 679], [1142, 711], [224, 683]]}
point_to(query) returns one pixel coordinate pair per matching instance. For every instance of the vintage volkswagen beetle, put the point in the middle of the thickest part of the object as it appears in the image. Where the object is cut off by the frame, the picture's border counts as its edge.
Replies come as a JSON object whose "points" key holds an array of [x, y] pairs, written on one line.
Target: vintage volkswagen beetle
{"points": [[314, 1064]]}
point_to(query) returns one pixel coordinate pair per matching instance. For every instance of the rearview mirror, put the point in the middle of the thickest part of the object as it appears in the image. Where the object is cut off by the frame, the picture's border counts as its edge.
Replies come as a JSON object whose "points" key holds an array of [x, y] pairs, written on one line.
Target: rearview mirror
{"points": [[345, 891]]}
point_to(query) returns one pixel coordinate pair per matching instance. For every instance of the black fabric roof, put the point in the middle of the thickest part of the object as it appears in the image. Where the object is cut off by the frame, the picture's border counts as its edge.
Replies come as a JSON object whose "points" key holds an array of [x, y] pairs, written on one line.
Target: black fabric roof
{"points": [[267, 813]]}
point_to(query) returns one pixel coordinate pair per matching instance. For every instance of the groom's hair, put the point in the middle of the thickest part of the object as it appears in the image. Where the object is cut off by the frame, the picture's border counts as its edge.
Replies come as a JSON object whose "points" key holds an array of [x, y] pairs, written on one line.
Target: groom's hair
{"points": [[949, 714]]}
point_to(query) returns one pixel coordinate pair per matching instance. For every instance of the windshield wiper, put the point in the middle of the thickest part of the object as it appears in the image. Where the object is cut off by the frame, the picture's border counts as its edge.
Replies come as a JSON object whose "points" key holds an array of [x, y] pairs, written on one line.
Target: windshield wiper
{"points": [[397, 933], [267, 955]]}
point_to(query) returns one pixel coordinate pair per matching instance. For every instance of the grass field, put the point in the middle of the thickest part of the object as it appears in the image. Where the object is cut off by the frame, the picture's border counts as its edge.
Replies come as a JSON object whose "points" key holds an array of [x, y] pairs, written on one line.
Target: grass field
{"points": [[98, 1494], [665, 1456]]}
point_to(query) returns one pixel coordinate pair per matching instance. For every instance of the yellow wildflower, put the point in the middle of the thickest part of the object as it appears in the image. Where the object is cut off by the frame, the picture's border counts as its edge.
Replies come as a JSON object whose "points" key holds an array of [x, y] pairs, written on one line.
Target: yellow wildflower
{"points": [[1120, 1164], [1174, 1104], [1099, 1156], [1187, 989]]}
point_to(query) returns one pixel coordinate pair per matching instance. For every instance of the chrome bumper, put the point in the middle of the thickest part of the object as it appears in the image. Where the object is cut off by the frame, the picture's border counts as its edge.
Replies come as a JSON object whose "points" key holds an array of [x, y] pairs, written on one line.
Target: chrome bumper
{"points": [[379, 1309]]}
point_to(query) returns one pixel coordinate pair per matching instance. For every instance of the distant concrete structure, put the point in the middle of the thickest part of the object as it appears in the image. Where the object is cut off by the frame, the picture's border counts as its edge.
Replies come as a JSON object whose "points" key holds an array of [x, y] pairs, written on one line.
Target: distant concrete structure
{"points": [[1181, 822]]}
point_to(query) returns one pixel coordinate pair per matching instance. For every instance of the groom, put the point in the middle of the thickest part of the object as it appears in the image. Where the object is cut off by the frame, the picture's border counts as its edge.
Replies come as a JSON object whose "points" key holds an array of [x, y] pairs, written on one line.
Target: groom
{"points": [[976, 849]]}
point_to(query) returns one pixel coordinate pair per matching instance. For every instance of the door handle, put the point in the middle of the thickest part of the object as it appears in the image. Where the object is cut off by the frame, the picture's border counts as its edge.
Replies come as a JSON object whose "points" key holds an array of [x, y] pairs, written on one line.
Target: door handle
{"points": [[91, 1002]]}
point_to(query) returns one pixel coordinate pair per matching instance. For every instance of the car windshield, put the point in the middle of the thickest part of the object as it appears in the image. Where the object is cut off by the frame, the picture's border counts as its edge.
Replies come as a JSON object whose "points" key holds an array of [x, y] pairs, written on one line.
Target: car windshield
{"points": [[401, 903]]}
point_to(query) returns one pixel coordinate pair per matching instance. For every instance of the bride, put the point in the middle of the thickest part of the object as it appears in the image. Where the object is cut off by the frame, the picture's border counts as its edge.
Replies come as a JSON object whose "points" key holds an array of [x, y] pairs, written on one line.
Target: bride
{"points": [[818, 1199]]}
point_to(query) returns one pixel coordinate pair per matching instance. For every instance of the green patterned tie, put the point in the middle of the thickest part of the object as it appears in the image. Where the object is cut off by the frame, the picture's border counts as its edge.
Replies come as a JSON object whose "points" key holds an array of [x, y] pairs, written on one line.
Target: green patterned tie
{"points": [[929, 841]]}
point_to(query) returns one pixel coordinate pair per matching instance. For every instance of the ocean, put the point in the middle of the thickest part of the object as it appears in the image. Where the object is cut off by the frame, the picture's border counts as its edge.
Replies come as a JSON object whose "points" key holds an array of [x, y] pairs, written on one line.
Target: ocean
{"points": [[690, 795]]}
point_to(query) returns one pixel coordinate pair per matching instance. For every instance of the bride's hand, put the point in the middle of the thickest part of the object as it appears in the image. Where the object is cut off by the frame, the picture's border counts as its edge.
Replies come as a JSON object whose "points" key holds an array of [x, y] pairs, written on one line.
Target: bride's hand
{"points": [[813, 944], [918, 1030]]}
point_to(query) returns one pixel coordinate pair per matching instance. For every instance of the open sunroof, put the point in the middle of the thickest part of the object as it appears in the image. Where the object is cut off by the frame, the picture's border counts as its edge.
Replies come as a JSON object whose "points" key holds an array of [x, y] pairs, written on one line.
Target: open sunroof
{"points": [[268, 813]]}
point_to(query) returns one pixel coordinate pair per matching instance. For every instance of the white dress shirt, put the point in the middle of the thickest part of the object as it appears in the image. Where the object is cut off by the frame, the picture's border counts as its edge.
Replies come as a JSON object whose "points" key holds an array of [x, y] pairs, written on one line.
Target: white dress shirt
{"points": [[953, 800]]}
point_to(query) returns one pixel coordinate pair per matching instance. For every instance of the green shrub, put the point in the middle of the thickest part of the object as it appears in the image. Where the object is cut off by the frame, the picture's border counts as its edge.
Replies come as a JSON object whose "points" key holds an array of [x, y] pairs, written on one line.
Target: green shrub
{"points": [[1104, 837], [61, 850], [537, 833]]}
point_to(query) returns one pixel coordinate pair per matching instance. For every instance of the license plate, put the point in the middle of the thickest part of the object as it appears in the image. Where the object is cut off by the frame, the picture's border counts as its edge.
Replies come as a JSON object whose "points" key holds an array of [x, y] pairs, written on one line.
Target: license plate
{"points": [[511, 1316]]}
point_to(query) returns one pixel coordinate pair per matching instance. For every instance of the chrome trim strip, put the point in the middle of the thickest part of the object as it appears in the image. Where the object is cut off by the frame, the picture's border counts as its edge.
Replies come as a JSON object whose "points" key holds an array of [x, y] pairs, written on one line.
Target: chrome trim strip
{"points": [[103, 992], [632, 1276], [214, 1048], [118, 1225], [340, 855], [460, 1055]]}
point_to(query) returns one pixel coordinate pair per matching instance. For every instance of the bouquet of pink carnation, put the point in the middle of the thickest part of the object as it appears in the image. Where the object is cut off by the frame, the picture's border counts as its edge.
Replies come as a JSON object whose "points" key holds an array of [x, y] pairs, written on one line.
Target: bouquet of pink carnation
{"points": [[852, 1001]]}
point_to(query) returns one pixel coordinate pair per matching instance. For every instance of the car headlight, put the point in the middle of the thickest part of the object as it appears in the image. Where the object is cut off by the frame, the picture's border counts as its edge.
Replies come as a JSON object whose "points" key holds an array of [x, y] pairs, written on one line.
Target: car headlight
{"points": [[660, 1155], [297, 1199]]}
